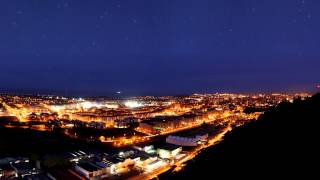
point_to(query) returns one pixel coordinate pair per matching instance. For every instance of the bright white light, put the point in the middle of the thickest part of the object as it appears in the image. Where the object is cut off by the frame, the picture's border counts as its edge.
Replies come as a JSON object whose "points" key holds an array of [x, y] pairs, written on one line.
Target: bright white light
{"points": [[111, 106], [88, 105], [57, 108], [133, 104], [84, 105]]}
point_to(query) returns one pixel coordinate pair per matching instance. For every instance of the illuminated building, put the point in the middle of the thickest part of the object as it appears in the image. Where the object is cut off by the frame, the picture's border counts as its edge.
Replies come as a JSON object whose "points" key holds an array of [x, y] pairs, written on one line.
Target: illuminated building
{"points": [[89, 170], [168, 151], [155, 164], [184, 141]]}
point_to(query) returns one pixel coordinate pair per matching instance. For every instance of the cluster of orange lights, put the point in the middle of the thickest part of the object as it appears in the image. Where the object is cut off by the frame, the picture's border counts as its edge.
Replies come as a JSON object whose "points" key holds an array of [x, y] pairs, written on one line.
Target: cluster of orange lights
{"points": [[124, 141]]}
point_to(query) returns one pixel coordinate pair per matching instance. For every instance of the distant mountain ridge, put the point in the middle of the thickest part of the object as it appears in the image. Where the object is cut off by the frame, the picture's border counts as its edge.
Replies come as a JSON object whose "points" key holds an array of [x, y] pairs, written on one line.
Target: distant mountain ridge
{"points": [[282, 144]]}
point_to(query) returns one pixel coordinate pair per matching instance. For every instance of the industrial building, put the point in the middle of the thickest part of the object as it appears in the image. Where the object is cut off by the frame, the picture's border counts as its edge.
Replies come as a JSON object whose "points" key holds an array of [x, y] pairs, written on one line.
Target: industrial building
{"points": [[186, 141]]}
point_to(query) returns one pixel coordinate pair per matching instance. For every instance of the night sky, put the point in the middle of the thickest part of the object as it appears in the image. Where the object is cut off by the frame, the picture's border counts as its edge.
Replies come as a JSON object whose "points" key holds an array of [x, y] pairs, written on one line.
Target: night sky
{"points": [[139, 47]]}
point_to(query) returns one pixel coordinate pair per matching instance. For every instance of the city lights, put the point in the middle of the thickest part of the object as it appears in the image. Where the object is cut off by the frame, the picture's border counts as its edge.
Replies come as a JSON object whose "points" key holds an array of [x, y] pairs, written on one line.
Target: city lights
{"points": [[133, 104], [203, 120]]}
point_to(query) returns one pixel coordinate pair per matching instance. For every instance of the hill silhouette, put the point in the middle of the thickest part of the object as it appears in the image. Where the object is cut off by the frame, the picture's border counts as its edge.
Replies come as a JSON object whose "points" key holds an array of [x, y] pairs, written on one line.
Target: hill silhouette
{"points": [[283, 143]]}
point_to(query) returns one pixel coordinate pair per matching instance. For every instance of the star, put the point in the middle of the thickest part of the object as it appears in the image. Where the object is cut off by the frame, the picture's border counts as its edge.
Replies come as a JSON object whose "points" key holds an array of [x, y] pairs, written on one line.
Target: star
{"points": [[14, 23], [228, 29], [36, 53], [309, 16], [19, 12], [294, 20], [44, 36], [66, 5], [46, 20], [93, 44]]}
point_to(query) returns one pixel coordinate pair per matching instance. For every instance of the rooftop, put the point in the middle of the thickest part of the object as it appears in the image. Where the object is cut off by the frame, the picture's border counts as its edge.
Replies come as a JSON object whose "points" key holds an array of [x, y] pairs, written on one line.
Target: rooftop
{"points": [[88, 167]]}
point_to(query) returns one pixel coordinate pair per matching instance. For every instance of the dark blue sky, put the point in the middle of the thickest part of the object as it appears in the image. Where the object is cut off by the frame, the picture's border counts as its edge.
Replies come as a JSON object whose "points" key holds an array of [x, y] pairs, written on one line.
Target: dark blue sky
{"points": [[98, 47]]}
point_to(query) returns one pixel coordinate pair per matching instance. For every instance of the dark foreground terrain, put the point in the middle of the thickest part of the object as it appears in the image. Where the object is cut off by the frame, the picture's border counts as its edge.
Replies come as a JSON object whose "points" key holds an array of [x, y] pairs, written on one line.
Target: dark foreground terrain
{"points": [[26, 142], [283, 143]]}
